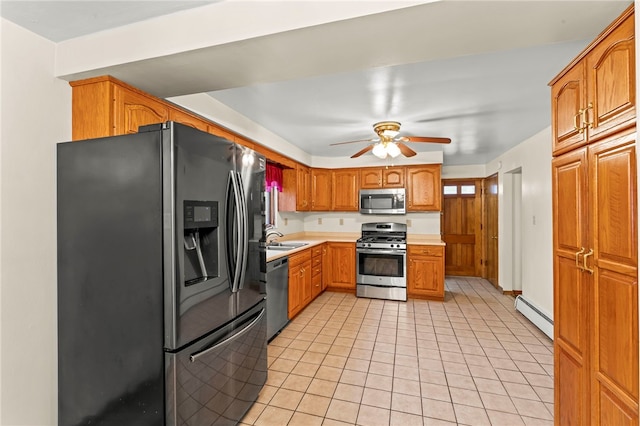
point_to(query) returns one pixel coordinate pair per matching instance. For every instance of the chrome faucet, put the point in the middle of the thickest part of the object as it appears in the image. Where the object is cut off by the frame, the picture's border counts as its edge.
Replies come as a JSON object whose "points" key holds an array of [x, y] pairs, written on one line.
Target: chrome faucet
{"points": [[272, 232]]}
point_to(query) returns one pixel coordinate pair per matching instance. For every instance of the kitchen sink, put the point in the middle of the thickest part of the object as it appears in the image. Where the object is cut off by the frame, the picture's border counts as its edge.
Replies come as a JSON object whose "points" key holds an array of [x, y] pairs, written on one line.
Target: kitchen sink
{"points": [[284, 246]]}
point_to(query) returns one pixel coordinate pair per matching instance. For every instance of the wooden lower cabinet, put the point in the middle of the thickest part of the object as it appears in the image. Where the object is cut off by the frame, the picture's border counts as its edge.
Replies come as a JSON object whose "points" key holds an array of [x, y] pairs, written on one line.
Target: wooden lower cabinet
{"points": [[425, 276], [342, 258], [305, 277], [326, 266], [596, 284], [299, 282], [316, 270]]}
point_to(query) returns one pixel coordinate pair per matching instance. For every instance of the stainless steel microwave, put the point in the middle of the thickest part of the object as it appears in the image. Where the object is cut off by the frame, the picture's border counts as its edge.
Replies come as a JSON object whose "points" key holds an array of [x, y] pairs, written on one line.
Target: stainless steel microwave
{"points": [[382, 201]]}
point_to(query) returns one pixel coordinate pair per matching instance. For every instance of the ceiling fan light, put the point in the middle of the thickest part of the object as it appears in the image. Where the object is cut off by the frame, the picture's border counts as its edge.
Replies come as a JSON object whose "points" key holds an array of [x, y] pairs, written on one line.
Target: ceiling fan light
{"points": [[393, 150], [390, 133], [379, 150]]}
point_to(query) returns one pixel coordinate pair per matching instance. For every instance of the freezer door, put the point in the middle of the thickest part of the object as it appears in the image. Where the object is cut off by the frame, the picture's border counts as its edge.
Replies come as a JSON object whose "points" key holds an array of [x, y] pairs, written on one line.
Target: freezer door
{"points": [[216, 380]]}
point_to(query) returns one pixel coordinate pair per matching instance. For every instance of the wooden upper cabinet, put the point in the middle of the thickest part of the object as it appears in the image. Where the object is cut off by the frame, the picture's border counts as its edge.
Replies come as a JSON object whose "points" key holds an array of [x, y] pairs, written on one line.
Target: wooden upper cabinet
{"points": [[424, 192], [321, 189], [370, 178], [105, 106], [567, 97], [92, 109], [595, 95], [345, 189], [611, 88], [133, 110], [180, 116], [296, 189], [303, 188], [381, 177]]}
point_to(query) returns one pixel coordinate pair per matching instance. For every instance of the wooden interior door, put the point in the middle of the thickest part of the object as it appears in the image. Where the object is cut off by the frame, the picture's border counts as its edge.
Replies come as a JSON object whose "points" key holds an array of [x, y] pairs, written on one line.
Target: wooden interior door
{"points": [[490, 190], [461, 226]]}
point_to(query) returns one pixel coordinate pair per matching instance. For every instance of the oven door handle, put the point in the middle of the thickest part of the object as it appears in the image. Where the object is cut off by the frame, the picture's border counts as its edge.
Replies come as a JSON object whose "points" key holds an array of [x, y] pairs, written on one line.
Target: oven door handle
{"points": [[381, 251]]}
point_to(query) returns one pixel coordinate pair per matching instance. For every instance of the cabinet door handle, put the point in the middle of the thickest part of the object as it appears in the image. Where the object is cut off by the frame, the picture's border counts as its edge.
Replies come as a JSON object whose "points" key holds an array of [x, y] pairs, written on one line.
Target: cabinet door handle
{"points": [[585, 117], [584, 262], [576, 125], [578, 253]]}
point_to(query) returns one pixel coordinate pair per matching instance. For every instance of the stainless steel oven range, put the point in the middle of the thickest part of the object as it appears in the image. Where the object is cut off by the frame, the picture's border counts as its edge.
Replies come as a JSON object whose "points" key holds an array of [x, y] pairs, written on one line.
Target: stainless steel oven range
{"points": [[381, 261]]}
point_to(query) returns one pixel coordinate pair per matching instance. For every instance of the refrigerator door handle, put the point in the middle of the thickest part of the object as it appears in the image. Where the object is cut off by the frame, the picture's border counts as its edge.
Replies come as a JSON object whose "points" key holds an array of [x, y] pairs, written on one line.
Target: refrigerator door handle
{"points": [[245, 231], [237, 273], [194, 357]]}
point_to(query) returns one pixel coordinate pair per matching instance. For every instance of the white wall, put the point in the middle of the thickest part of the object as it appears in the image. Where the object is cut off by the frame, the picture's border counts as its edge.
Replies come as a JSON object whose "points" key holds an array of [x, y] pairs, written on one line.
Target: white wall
{"points": [[533, 158], [36, 113], [417, 223]]}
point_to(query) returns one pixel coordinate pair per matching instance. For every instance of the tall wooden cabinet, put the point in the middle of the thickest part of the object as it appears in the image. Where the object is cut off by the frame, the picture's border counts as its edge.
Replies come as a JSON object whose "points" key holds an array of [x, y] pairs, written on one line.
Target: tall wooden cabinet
{"points": [[594, 178]]}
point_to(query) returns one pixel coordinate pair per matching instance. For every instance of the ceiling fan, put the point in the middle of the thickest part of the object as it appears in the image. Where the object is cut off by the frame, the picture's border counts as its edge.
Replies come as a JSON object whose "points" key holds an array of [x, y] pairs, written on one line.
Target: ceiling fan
{"points": [[388, 142]]}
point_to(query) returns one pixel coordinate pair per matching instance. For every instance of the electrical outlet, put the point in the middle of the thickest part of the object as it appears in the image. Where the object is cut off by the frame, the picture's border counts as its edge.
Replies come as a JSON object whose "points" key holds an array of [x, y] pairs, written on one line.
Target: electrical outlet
{"points": [[286, 221], [408, 223], [319, 221], [341, 221]]}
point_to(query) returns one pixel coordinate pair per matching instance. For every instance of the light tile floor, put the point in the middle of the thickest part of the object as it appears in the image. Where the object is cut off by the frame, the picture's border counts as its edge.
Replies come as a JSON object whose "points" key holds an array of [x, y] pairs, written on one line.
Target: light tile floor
{"points": [[470, 360]]}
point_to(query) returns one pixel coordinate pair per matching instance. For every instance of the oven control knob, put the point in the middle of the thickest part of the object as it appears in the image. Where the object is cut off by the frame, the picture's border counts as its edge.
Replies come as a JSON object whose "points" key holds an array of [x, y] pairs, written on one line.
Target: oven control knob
{"points": [[369, 244]]}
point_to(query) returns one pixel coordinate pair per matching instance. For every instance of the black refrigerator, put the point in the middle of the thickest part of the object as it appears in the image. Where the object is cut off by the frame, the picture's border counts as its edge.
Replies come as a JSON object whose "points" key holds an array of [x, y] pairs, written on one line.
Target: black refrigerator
{"points": [[161, 279]]}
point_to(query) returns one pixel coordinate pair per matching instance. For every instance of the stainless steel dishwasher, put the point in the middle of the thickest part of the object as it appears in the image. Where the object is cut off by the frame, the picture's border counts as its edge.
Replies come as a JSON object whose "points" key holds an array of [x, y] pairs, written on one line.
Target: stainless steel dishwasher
{"points": [[277, 295]]}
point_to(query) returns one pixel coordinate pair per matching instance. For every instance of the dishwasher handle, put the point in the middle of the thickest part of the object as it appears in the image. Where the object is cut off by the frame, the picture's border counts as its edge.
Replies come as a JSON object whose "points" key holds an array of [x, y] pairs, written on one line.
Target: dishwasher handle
{"points": [[277, 264]]}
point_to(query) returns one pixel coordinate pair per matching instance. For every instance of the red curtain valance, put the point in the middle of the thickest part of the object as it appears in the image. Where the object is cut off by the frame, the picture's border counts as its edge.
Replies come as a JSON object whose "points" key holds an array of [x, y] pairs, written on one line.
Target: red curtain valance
{"points": [[273, 177]]}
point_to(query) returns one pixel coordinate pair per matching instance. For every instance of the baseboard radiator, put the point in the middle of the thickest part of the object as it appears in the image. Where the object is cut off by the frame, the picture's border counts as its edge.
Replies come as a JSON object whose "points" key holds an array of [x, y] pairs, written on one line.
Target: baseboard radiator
{"points": [[533, 314]]}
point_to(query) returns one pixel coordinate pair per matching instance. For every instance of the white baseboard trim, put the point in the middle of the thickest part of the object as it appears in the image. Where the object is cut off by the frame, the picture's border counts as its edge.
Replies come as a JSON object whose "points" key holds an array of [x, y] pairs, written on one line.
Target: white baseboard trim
{"points": [[533, 314]]}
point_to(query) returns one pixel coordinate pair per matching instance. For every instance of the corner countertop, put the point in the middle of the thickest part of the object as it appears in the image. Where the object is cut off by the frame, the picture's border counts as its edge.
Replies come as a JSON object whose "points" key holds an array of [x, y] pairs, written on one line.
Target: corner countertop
{"points": [[315, 238]]}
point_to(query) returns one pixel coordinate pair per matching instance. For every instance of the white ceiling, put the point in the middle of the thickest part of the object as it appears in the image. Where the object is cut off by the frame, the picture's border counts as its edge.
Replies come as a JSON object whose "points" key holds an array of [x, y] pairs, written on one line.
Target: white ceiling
{"points": [[473, 71]]}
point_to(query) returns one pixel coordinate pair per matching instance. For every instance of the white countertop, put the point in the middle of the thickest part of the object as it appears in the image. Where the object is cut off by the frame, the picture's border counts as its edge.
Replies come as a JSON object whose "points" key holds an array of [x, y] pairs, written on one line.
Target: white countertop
{"points": [[314, 239]]}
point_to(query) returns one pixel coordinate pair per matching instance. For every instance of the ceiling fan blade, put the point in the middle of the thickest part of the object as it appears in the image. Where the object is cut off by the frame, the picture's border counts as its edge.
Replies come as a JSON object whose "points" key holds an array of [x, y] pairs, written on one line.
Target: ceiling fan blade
{"points": [[362, 151], [405, 150], [424, 139], [361, 140]]}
